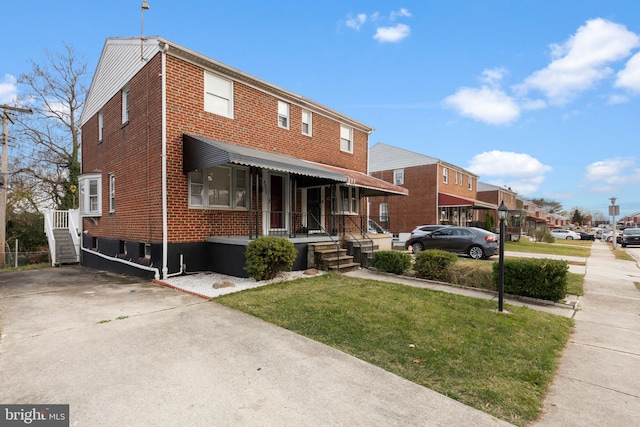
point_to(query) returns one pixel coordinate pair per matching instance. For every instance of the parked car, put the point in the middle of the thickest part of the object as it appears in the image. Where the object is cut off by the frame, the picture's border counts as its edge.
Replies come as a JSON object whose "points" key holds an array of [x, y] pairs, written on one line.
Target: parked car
{"points": [[423, 230], [472, 241], [630, 236], [565, 234], [586, 236]]}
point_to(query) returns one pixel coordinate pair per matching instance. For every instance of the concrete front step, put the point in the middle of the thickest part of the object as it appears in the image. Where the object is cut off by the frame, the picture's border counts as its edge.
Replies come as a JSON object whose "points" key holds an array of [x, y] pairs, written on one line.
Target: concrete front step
{"points": [[351, 266]]}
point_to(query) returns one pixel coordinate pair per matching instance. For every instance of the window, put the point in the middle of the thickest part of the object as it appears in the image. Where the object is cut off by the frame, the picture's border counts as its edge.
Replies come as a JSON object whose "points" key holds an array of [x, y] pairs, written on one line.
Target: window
{"points": [[456, 177], [348, 200], [306, 123], [90, 194], [398, 176], [219, 187], [346, 139], [125, 104], [283, 114], [445, 175], [384, 212], [218, 95], [144, 250], [112, 192], [470, 183], [100, 126]]}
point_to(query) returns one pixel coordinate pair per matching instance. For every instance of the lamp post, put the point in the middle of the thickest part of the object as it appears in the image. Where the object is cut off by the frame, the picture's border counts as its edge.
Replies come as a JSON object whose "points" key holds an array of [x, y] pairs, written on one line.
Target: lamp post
{"points": [[502, 215]]}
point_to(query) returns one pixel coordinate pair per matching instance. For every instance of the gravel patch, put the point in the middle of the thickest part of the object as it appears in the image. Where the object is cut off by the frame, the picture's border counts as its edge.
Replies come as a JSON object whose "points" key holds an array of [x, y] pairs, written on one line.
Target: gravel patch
{"points": [[211, 285]]}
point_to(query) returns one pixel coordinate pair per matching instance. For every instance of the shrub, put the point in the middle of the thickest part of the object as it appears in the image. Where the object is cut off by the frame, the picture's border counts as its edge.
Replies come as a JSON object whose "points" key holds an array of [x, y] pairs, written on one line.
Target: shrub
{"points": [[433, 264], [543, 235], [473, 274], [391, 261], [268, 256], [535, 277]]}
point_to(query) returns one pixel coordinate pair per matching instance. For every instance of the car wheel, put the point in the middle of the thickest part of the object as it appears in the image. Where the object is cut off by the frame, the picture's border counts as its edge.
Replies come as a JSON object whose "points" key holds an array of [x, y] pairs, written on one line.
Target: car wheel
{"points": [[569, 238], [623, 245], [476, 252], [417, 246]]}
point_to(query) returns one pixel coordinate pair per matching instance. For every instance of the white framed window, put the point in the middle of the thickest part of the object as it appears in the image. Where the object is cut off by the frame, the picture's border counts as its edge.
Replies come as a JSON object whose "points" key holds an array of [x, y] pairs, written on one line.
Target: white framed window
{"points": [[219, 187], [90, 194], [307, 125], [125, 104], [100, 126], [218, 95], [384, 212], [470, 183], [348, 202], [283, 114], [346, 139], [112, 192], [445, 175], [456, 177], [398, 176]]}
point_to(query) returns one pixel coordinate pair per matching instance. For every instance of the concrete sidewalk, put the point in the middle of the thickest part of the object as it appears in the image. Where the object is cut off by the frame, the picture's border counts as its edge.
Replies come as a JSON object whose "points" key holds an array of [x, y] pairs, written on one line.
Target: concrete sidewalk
{"points": [[598, 382]]}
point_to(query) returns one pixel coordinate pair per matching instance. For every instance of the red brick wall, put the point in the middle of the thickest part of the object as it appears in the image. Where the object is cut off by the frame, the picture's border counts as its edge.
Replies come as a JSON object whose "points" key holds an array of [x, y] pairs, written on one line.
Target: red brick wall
{"points": [[133, 151]]}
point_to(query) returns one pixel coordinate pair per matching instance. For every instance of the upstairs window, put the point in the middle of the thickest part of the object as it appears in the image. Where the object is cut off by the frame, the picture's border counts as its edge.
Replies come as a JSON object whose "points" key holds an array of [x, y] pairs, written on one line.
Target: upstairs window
{"points": [[125, 104], [470, 182], [100, 126], [283, 115], [346, 139], [445, 175], [398, 176], [218, 95], [306, 123]]}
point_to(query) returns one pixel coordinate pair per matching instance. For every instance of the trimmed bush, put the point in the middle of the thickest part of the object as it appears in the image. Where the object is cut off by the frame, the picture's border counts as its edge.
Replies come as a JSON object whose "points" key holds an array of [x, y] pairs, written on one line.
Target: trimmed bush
{"points": [[474, 274], [433, 264], [534, 277], [391, 261], [268, 256]]}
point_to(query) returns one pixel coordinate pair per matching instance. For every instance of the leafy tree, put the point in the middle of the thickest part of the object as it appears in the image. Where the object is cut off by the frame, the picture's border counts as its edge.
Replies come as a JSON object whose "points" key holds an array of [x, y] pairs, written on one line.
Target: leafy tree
{"points": [[550, 206], [46, 158], [577, 217]]}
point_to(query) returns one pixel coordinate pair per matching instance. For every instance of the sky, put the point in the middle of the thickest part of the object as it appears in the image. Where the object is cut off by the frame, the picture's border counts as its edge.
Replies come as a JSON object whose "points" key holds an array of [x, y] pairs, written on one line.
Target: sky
{"points": [[541, 96]]}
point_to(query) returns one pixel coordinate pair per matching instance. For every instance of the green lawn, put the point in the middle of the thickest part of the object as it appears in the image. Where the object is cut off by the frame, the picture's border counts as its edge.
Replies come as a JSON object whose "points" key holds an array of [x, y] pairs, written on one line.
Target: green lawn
{"points": [[501, 363], [579, 248]]}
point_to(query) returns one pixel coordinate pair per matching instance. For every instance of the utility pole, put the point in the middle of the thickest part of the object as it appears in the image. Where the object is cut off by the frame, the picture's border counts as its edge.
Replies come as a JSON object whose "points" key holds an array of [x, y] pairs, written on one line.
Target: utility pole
{"points": [[3, 178]]}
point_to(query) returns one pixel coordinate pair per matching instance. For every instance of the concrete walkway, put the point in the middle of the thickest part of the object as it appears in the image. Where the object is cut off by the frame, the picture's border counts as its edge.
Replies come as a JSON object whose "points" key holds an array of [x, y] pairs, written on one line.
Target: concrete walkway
{"points": [[598, 382]]}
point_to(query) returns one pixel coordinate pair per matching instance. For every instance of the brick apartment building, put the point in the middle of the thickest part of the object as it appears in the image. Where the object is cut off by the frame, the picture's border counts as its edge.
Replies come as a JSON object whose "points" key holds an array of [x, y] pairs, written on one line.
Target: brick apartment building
{"points": [[185, 160]]}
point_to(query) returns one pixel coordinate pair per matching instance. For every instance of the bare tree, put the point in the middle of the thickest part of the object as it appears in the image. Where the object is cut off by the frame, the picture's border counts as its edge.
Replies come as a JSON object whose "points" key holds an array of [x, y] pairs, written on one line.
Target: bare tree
{"points": [[46, 158]]}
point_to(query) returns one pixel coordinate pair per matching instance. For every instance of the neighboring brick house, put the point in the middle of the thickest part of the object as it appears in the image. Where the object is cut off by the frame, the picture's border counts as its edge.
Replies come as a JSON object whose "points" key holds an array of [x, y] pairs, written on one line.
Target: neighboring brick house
{"points": [[632, 220], [535, 217], [439, 192], [186, 159], [494, 195]]}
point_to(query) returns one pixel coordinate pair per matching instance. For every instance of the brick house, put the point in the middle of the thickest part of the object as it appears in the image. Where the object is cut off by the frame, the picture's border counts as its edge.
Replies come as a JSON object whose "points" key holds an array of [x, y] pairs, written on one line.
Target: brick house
{"points": [[185, 160], [439, 192], [494, 195]]}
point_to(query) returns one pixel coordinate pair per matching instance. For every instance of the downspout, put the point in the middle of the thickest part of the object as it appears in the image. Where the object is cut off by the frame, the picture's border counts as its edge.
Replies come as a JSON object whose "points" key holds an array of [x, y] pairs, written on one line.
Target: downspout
{"points": [[165, 269]]}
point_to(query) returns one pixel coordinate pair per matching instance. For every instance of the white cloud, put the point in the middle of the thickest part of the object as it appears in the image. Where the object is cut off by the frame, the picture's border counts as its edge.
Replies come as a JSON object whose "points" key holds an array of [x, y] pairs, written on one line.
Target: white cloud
{"points": [[488, 105], [582, 61], [357, 21], [493, 76], [617, 99], [629, 77], [402, 12], [613, 171], [392, 34], [520, 172], [8, 89]]}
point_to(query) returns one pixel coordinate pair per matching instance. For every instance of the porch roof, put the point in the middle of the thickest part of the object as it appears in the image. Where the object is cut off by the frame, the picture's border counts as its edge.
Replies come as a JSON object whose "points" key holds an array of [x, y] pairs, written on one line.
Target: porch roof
{"points": [[448, 200], [200, 153], [370, 185]]}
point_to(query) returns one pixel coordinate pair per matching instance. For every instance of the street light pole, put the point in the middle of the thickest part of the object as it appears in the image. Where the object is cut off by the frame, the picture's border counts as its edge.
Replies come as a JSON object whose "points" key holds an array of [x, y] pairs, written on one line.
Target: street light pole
{"points": [[502, 215], [613, 213], [3, 178]]}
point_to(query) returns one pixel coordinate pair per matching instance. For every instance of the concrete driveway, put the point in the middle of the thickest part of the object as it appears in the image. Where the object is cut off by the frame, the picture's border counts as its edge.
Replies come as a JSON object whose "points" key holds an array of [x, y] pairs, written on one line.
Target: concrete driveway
{"points": [[124, 352]]}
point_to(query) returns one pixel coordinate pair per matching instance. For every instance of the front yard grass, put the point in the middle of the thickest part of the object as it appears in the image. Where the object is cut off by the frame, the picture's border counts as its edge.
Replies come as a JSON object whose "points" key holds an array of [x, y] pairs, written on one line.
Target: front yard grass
{"points": [[462, 347], [579, 248]]}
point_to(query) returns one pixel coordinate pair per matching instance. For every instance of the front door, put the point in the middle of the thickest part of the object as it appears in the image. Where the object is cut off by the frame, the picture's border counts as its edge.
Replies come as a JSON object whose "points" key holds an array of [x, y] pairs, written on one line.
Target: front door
{"points": [[314, 209], [277, 207]]}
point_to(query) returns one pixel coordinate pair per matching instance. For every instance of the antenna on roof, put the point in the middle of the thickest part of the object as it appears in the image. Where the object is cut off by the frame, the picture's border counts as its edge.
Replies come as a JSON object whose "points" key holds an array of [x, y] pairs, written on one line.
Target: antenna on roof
{"points": [[143, 7]]}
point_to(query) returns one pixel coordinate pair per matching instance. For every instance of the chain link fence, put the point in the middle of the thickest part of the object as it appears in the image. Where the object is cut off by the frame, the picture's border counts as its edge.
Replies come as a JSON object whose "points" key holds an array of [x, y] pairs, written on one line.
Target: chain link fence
{"points": [[21, 259]]}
